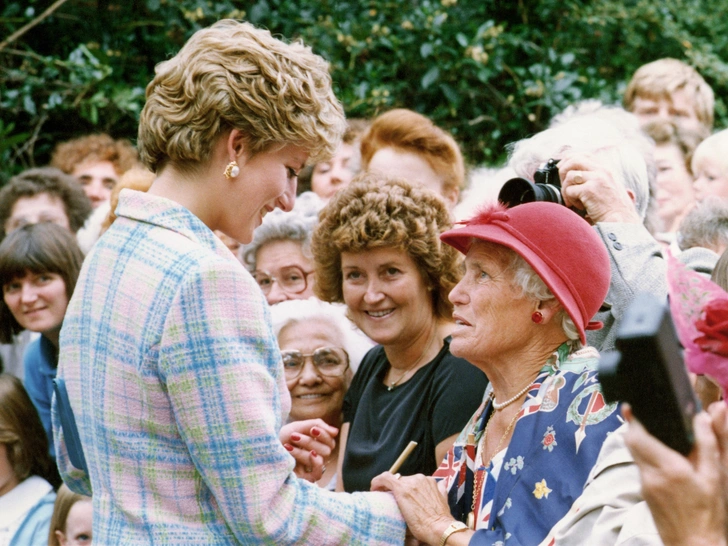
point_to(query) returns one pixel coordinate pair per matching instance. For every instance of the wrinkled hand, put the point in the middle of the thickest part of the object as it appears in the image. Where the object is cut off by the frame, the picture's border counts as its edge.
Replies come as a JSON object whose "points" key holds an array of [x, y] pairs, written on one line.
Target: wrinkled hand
{"points": [[587, 185], [422, 503], [310, 443], [686, 495]]}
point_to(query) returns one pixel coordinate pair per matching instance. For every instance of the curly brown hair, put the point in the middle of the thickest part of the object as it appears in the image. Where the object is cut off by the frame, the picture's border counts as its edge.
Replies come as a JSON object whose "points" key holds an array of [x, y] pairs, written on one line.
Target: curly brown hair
{"points": [[375, 212], [95, 148]]}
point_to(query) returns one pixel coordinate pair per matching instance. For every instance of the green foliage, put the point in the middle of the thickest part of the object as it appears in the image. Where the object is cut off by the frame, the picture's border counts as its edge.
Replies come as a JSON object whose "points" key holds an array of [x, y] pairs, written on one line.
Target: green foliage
{"points": [[490, 71]]}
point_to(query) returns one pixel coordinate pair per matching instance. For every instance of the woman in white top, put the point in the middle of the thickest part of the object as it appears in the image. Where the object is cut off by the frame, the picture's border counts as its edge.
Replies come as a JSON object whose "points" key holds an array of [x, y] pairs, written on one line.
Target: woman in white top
{"points": [[26, 469]]}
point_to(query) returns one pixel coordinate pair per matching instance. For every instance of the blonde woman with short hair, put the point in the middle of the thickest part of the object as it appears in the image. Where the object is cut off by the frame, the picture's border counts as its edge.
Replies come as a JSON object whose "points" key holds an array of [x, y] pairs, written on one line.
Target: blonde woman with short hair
{"points": [[171, 364]]}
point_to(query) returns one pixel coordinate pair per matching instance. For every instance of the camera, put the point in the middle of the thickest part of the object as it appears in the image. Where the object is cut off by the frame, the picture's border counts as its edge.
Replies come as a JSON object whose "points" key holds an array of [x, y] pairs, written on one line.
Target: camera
{"points": [[647, 370], [547, 187]]}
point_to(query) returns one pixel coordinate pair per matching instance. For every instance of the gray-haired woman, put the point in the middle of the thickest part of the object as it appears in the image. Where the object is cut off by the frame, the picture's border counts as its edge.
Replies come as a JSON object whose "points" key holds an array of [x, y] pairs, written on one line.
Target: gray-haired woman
{"points": [[279, 257]]}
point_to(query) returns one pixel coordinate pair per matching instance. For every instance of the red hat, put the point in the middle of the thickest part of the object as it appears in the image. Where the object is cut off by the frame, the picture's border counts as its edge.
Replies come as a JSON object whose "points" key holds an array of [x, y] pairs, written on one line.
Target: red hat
{"points": [[557, 243]]}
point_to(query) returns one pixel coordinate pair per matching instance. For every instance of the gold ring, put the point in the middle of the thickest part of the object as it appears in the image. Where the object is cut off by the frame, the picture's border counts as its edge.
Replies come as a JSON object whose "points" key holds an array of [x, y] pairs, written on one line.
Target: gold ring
{"points": [[578, 179], [307, 469]]}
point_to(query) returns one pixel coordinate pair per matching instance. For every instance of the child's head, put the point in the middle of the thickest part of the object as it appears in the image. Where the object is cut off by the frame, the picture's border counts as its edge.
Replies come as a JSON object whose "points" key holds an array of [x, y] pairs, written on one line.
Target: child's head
{"points": [[39, 265], [71, 520], [710, 167], [673, 90]]}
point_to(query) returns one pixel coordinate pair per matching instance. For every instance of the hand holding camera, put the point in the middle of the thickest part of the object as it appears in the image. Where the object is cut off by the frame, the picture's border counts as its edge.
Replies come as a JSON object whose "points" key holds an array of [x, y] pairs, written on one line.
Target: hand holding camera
{"points": [[580, 182]]}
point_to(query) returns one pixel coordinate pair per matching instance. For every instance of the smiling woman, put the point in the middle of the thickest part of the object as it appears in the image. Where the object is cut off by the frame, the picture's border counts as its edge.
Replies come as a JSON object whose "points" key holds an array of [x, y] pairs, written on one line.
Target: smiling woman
{"points": [[179, 334], [321, 350], [377, 249], [39, 265]]}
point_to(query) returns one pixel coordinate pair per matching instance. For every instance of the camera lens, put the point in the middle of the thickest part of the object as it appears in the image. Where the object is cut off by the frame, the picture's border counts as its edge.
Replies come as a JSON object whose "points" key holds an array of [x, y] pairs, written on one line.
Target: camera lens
{"points": [[519, 190], [548, 193]]}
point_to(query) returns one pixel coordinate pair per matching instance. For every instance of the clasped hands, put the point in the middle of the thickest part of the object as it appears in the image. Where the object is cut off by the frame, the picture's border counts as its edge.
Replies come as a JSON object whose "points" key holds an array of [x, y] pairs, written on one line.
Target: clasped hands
{"points": [[310, 442]]}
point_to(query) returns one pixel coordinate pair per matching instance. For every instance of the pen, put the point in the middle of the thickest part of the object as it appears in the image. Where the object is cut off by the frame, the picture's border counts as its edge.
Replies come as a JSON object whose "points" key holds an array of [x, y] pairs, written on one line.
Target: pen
{"points": [[403, 457]]}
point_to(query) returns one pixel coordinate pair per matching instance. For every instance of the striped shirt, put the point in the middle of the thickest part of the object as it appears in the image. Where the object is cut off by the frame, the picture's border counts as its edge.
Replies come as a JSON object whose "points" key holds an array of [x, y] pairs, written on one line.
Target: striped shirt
{"points": [[175, 380]]}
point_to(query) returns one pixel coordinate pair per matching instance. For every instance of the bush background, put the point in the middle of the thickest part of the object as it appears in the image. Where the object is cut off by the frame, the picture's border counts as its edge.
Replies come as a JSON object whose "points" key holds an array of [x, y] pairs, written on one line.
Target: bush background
{"points": [[490, 71]]}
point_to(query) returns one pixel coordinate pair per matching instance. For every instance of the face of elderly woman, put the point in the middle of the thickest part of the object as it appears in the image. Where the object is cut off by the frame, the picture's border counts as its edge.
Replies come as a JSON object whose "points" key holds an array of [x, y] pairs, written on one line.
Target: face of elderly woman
{"points": [[283, 272], [314, 394], [386, 295], [492, 318]]}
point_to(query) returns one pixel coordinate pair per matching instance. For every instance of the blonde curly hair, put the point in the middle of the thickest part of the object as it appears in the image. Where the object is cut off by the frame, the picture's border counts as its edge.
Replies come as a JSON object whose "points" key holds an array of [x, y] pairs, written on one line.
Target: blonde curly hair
{"points": [[375, 212], [233, 75]]}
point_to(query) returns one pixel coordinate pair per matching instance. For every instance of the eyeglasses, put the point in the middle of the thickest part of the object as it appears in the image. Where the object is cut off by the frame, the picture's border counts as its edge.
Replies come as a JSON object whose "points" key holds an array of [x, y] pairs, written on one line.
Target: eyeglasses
{"points": [[329, 361], [292, 279]]}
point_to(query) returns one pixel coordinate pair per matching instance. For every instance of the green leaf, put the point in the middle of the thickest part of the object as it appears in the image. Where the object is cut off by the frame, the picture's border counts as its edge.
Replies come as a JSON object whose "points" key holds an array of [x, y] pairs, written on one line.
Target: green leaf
{"points": [[430, 77]]}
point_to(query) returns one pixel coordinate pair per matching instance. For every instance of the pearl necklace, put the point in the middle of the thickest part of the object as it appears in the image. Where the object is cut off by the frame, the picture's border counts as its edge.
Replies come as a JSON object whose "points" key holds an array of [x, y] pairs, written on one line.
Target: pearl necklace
{"points": [[508, 402]]}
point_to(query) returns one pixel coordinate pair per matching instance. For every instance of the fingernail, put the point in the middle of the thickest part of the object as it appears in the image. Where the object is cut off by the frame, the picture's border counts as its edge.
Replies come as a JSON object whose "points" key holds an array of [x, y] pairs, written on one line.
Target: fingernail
{"points": [[315, 432], [313, 453], [296, 437], [289, 447]]}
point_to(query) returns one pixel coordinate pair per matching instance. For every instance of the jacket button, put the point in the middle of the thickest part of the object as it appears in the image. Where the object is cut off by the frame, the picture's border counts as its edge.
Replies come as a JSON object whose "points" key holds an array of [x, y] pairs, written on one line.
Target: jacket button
{"points": [[617, 246], [612, 236]]}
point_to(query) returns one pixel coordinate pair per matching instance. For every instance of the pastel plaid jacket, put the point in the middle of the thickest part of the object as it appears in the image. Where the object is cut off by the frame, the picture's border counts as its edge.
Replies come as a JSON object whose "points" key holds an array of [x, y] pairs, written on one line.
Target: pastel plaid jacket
{"points": [[174, 377]]}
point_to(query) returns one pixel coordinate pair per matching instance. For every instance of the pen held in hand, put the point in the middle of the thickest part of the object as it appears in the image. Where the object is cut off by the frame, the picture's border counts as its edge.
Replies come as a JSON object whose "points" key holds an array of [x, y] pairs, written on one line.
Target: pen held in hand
{"points": [[403, 457]]}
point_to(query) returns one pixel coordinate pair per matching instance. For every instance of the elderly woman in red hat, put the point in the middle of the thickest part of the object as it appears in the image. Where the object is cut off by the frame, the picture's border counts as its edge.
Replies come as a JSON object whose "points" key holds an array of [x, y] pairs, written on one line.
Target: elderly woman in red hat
{"points": [[535, 275]]}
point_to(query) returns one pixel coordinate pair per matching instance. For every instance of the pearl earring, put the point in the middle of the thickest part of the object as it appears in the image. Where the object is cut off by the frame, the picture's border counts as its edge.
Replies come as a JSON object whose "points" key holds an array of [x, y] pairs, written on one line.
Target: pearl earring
{"points": [[232, 170]]}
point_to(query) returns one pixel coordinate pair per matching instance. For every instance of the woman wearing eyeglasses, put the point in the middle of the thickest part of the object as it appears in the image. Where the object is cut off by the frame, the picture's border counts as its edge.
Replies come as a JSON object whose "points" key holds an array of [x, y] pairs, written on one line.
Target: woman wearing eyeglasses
{"points": [[279, 257], [321, 350]]}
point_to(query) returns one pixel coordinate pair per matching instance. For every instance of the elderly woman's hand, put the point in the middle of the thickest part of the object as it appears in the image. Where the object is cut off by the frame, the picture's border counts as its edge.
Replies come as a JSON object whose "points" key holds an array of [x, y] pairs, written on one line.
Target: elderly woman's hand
{"points": [[422, 503], [587, 185], [310, 442], [696, 484]]}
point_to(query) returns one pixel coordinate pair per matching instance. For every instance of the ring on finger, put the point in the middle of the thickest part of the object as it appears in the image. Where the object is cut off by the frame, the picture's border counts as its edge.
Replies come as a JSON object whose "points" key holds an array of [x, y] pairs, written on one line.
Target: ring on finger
{"points": [[307, 469], [578, 178]]}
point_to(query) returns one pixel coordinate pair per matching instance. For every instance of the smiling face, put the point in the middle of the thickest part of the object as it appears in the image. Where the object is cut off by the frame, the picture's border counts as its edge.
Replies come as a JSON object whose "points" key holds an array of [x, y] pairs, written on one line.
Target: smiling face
{"points": [[98, 178], [674, 193], [38, 301], [281, 259], [328, 177], [314, 395], [42, 207], [78, 525], [386, 295], [493, 319], [267, 181]]}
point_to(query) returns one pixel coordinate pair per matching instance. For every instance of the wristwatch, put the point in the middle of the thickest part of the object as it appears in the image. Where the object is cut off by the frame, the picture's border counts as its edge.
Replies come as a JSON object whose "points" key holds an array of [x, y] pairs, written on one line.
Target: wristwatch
{"points": [[455, 527]]}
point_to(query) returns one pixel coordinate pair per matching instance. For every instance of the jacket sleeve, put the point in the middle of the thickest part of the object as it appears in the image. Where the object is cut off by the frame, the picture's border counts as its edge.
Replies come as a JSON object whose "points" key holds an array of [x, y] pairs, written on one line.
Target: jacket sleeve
{"points": [[221, 366]]}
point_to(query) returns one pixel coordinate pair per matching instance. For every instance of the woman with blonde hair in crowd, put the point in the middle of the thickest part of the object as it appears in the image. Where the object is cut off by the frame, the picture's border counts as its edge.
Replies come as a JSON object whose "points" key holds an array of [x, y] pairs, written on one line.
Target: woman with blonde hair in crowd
{"points": [[71, 523], [406, 144], [377, 249], [172, 368]]}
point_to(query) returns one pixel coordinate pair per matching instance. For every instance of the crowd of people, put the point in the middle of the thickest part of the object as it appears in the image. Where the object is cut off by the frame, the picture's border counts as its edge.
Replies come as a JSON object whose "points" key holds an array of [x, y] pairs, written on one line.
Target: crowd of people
{"points": [[267, 324]]}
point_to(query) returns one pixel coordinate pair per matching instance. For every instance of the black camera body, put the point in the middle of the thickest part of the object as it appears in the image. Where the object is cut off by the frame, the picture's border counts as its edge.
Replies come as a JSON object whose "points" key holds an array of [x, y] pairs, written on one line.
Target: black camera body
{"points": [[647, 370], [546, 186]]}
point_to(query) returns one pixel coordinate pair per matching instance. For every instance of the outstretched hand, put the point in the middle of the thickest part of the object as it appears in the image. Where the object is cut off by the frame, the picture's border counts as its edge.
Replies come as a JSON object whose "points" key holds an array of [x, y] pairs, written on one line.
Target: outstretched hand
{"points": [[422, 503]]}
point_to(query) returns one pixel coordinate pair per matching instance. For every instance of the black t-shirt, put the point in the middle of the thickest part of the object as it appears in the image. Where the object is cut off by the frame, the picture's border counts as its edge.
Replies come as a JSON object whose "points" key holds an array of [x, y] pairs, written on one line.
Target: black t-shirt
{"points": [[434, 404]]}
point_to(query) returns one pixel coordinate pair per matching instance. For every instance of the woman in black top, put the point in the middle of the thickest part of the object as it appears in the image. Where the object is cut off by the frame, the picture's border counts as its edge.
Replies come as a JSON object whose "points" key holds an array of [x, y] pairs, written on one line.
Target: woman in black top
{"points": [[377, 249]]}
